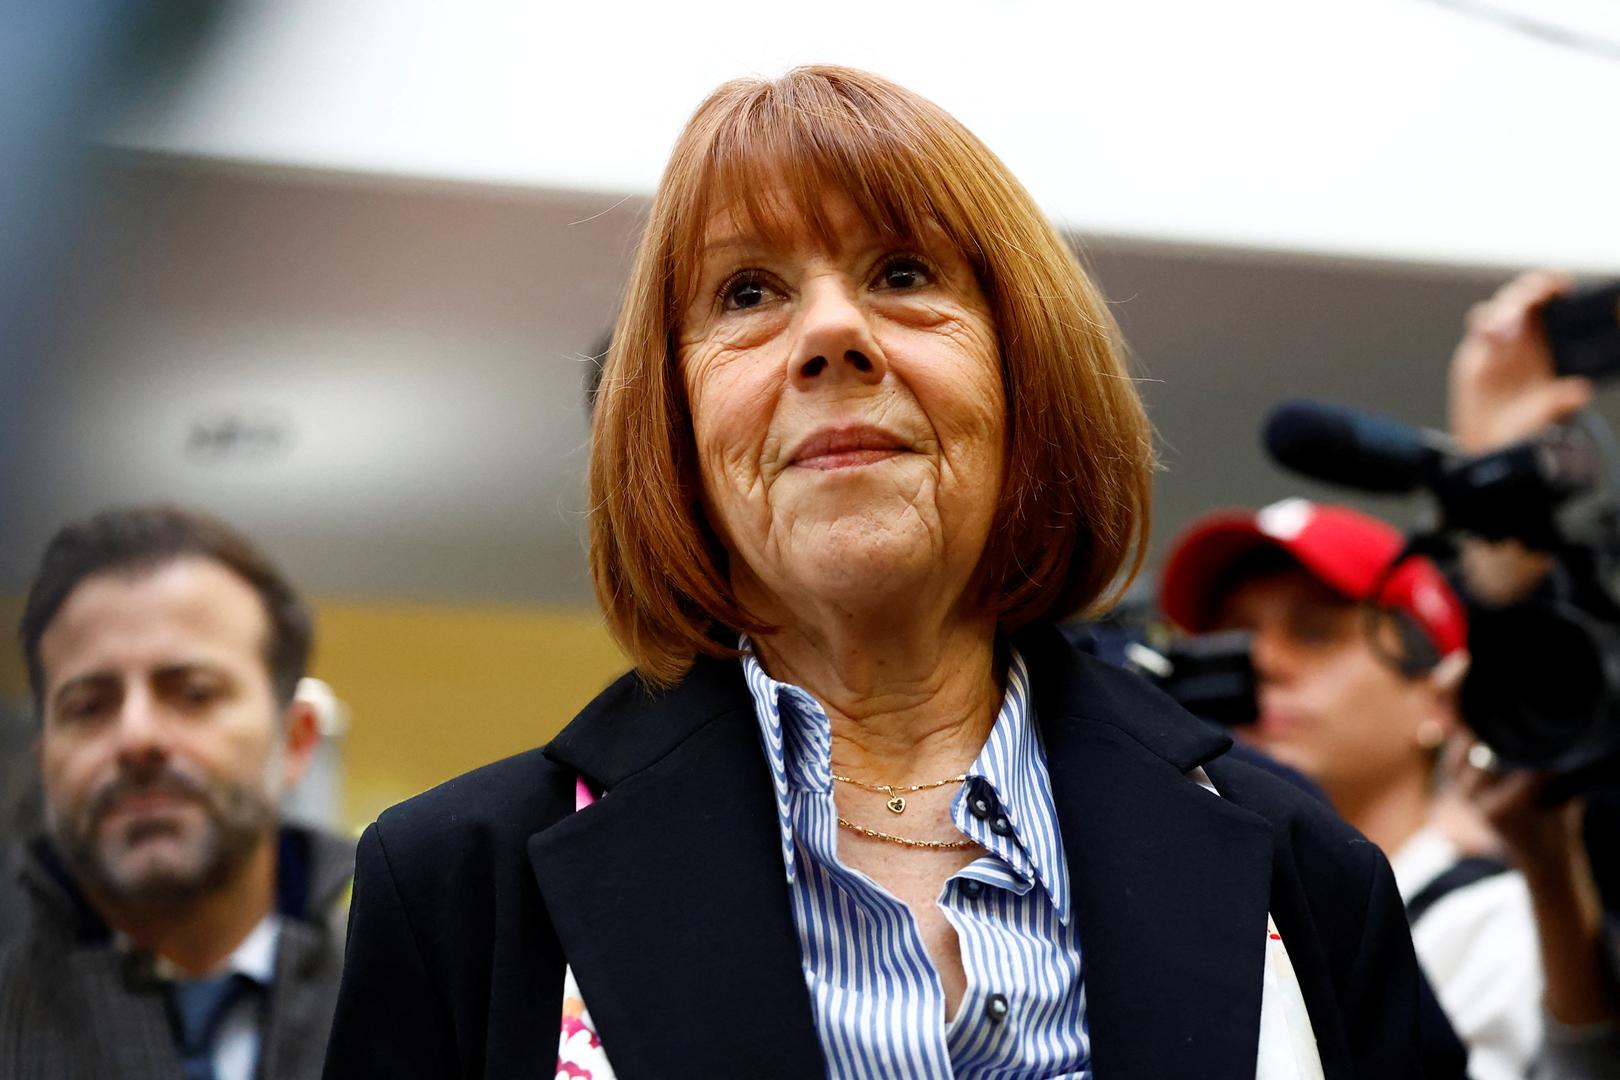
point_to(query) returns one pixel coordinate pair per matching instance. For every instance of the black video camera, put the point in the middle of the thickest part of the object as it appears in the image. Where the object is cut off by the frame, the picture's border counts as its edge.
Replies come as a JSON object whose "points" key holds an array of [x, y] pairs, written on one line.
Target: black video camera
{"points": [[1583, 331], [1543, 689]]}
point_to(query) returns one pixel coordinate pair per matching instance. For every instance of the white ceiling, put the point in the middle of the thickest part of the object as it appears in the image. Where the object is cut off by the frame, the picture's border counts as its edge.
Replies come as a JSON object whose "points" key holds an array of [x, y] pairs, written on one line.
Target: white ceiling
{"points": [[1417, 129]]}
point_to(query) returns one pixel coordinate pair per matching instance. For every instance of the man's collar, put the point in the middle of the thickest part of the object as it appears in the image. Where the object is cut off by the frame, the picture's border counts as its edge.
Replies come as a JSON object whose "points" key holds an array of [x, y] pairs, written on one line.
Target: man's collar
{"points": [[255, 957]]}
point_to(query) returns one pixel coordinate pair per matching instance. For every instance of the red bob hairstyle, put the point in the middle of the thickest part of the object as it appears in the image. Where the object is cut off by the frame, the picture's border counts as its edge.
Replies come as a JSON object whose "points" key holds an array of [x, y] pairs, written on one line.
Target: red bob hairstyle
{"points": [[1073, 511]]}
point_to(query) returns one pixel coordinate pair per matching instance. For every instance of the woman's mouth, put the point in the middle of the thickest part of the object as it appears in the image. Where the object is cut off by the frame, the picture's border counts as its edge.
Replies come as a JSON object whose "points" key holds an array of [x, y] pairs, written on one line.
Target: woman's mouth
{"points": [[846, 448]]}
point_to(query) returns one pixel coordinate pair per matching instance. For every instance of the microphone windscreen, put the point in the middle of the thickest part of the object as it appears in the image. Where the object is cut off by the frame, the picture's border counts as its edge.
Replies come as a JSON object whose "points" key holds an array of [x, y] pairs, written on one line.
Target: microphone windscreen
{"points": [[1348, 448]]}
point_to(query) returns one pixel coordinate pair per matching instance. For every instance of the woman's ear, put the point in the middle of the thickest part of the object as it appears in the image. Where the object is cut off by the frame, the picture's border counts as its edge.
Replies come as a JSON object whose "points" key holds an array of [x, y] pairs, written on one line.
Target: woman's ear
{"points": [[1431, 733], [1443, 685]]}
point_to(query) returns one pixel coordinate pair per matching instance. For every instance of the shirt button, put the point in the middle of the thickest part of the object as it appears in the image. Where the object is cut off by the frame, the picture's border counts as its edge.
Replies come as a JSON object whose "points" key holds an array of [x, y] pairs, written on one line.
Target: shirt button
{"points": [[1001, 826], [981, 806], [972, 888], [996, 1008]]}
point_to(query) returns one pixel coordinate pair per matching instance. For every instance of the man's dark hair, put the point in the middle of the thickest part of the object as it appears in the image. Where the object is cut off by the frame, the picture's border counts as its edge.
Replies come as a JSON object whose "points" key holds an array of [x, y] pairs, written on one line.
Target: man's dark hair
{"points": [[137, 540]]}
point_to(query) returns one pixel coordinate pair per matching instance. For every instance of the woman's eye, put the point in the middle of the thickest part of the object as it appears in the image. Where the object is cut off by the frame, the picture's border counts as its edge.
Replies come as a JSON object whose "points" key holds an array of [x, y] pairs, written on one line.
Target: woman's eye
{"points": [[903, 272], [743, 292], [1317, 628]]}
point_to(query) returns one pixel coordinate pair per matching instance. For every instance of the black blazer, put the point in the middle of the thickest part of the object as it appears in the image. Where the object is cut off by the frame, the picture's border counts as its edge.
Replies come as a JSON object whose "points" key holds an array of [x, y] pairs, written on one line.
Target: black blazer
{"points": [[669, 899]]}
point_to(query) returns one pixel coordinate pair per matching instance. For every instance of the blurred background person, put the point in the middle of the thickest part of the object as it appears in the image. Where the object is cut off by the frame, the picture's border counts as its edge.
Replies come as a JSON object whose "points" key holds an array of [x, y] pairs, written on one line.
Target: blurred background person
{"points": [[176, 929], [1357, 662], [1504, 386], [864, 431]]}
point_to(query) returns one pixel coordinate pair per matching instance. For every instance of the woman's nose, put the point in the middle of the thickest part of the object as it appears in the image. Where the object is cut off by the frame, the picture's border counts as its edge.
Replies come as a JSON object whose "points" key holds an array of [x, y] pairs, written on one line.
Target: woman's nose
{"points": [[835, 342]]}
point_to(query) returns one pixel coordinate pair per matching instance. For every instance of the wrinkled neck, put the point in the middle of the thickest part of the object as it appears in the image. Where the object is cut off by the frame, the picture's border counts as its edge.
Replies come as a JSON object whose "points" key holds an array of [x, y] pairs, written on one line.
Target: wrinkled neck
{"points": [[904, 708]]}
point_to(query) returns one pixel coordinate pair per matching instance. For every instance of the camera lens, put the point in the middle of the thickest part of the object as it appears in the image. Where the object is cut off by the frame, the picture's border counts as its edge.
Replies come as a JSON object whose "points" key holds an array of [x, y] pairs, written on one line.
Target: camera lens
{"points": [[1538, 691]]}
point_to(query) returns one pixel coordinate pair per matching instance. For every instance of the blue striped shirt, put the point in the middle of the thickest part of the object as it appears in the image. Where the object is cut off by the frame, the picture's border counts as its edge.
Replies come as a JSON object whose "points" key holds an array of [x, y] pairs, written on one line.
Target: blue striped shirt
{"points": [[879, 1006]]}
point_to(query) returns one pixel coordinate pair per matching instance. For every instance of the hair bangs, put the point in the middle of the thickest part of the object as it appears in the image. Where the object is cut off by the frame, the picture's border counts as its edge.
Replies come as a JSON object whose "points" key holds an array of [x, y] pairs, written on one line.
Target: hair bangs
{"points": [[771, 153]]}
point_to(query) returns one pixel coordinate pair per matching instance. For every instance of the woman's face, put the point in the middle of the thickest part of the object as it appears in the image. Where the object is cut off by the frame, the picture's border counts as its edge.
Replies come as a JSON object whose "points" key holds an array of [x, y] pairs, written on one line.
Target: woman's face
{"points": [[848, 412], [1330, 704]]}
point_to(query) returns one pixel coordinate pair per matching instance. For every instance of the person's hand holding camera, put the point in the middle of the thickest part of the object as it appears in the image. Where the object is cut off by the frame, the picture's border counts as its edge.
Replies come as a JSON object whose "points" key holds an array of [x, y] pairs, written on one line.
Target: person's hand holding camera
{"points": [[1543, 841], [1504, 387], [1503, 383]]}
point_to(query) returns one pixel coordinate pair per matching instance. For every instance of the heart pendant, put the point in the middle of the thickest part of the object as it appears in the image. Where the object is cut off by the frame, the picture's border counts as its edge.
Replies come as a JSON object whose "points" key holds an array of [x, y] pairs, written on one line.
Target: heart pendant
{"points": [[897, 804]]}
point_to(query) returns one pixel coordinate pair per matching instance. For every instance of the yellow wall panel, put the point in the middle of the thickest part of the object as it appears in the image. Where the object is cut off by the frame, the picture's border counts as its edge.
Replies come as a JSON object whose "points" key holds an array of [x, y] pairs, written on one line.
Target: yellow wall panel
{"points": [[434, 690]]}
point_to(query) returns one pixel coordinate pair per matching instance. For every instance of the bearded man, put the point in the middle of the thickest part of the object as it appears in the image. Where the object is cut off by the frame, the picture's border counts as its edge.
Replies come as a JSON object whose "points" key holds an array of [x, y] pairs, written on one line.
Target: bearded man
{"points": [[176, 928]]}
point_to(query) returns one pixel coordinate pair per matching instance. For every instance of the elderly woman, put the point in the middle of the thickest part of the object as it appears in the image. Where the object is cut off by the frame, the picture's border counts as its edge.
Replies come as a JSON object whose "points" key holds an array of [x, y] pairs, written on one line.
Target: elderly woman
{"points": [[865, 431]]}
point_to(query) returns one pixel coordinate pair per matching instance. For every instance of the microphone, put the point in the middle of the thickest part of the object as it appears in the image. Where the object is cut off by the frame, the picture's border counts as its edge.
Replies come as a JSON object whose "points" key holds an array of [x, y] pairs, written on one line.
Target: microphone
{"points": [[1509, 492], [1354, 449]]}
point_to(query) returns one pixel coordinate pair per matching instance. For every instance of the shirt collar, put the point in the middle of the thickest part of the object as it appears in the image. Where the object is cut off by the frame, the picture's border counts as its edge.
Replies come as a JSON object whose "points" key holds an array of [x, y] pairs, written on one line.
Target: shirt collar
{"points": [[256, 956], [1011, 769], [797, 739], [771, 700]]}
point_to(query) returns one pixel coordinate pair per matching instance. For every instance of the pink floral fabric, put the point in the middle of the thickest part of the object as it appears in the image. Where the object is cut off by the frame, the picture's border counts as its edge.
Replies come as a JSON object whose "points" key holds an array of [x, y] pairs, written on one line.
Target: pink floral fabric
{"points": [[579, 1050]]}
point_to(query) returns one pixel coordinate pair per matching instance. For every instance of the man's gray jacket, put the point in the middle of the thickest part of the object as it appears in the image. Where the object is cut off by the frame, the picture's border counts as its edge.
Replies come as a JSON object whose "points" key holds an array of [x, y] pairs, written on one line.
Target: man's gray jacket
{"points": [[73, 1006]]}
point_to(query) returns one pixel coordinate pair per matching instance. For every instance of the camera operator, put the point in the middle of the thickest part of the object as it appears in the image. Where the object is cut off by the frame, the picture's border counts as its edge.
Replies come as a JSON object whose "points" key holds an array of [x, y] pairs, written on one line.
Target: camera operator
{"points": [[1503, 387], [1357, 669]]}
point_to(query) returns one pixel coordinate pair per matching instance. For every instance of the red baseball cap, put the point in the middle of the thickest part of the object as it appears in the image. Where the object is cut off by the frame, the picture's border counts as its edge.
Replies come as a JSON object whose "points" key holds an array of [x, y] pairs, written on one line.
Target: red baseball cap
{"points": [[1346, 550]]}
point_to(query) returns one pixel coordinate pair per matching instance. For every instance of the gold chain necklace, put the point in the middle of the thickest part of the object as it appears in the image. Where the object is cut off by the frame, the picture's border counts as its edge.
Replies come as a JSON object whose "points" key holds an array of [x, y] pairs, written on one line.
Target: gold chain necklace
{"points": [[897, 794], [906, 841]]}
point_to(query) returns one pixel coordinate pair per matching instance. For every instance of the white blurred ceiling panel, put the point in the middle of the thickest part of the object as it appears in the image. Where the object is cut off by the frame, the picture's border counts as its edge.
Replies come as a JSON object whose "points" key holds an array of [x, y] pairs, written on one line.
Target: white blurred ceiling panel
{"points": [[1457, 131]]}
